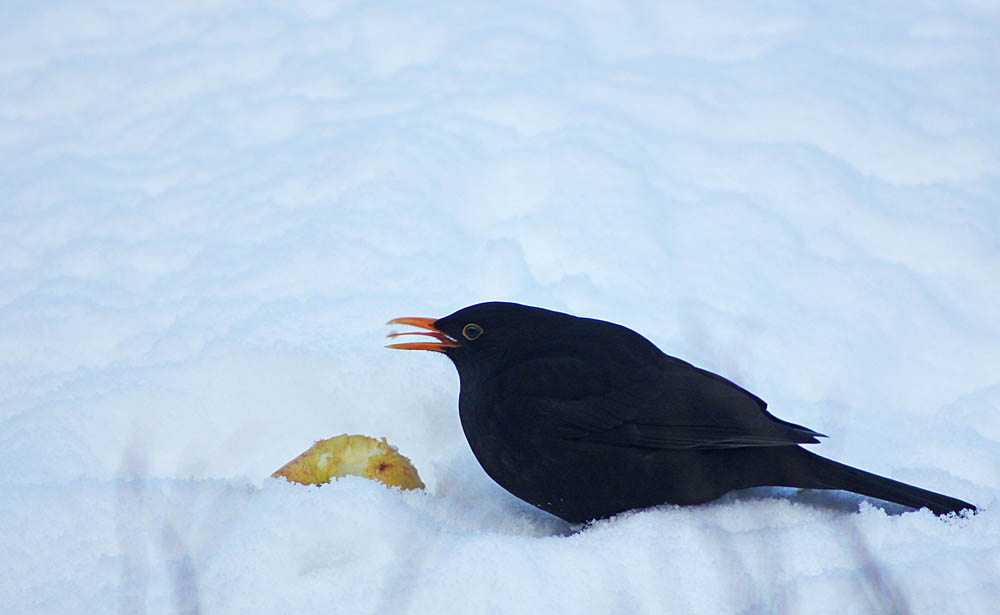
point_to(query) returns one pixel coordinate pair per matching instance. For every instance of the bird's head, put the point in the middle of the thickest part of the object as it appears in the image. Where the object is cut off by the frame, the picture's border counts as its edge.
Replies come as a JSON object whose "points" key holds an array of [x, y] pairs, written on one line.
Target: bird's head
{"points": [[485, 335], [486, 338]]}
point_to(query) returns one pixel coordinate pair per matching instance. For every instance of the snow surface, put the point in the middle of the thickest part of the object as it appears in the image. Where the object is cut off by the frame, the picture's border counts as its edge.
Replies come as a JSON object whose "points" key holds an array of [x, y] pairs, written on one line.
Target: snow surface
{"points": [[210, 209]]}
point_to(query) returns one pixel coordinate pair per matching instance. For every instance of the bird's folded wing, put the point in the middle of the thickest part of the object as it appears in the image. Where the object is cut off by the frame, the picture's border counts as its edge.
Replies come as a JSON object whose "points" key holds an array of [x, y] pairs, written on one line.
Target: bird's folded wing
{"points": [[679, 407]]}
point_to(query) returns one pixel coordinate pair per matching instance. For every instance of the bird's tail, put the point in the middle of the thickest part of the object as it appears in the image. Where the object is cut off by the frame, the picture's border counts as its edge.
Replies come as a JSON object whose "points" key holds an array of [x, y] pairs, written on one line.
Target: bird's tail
{"points": [[823, 473]]}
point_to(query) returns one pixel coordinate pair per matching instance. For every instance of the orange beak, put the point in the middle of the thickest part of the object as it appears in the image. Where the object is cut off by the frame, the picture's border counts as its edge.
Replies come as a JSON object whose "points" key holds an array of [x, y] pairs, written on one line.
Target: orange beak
{"points": [[424, 323]]}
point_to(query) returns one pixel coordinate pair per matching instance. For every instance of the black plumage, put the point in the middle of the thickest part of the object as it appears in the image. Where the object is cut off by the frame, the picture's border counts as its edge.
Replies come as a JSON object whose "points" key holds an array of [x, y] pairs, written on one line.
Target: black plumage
{"points": [[585, 419]]}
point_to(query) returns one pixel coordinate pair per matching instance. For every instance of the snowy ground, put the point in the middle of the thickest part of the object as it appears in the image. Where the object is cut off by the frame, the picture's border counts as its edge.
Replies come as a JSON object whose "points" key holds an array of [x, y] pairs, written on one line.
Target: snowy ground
{"points": [[209, 209]]}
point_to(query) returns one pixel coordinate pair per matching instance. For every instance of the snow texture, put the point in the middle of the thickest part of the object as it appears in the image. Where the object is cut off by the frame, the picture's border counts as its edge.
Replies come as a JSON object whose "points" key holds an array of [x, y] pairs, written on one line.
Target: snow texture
{"points": [[210, 209]]}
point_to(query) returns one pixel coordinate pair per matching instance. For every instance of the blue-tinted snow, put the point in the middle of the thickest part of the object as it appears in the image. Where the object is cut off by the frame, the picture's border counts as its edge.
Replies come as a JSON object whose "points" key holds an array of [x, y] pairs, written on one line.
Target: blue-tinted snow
{"points": [[210, 208]]}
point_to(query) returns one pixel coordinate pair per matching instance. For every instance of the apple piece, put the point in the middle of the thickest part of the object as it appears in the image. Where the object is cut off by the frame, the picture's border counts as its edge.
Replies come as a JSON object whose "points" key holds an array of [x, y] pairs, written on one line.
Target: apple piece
{"points": [[351, 455]]}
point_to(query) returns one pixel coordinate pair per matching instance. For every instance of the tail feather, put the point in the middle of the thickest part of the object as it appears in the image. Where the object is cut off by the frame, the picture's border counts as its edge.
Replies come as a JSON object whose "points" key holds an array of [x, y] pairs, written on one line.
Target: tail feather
{"points": [[825, 473]]}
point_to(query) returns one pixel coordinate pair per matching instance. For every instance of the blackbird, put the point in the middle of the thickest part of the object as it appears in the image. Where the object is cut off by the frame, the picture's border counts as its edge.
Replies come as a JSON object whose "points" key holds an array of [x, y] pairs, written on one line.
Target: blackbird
{"points": [[586, 419]]}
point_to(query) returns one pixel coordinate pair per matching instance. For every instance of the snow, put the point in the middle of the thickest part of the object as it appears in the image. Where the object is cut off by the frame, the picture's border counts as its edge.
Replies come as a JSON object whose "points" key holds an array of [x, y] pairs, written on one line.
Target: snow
{"points": [[211, 208]]}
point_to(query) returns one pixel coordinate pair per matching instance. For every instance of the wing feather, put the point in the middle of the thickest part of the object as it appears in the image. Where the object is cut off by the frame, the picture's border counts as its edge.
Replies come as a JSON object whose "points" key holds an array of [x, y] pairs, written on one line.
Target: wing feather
{"points": [[672, 405]]}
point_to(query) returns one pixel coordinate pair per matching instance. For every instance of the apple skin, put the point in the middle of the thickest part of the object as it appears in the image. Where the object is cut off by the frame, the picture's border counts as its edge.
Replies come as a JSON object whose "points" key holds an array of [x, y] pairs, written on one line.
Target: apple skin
{"points": [[345, 455]]}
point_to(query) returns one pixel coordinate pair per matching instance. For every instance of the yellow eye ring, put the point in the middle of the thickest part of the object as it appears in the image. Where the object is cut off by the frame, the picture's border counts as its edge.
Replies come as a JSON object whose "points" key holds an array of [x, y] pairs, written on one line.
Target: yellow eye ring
{"points": [[471, 331]]}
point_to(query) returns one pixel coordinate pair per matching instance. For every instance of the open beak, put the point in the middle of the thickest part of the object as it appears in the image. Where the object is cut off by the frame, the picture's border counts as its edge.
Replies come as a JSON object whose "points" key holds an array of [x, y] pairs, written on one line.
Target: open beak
{"points": [[443, 341]]}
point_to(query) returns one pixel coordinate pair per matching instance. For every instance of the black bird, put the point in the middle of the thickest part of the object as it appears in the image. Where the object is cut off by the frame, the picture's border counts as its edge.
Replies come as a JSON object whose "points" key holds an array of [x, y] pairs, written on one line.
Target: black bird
{"points": [[585, 419]]}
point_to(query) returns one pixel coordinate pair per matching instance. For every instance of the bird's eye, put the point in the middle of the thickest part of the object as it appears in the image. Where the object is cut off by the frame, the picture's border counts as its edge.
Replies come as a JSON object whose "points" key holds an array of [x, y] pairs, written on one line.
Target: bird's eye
{"points": [[471, 331]]}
